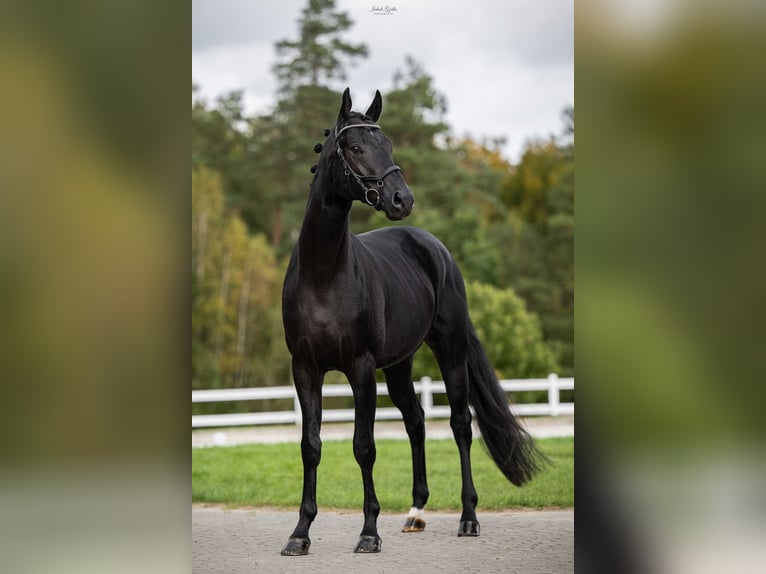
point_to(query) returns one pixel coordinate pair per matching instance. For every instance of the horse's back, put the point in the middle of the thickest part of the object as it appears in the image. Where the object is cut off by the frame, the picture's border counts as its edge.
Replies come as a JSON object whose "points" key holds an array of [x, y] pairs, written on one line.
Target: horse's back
{"points": [[411, 261], [408, 252], [408, 241]]}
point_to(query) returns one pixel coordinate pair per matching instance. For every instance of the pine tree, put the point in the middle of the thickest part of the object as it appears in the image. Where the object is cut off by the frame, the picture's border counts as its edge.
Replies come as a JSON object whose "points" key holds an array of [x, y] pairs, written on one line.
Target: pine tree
{"points": [[306, 71], [315, 58]]}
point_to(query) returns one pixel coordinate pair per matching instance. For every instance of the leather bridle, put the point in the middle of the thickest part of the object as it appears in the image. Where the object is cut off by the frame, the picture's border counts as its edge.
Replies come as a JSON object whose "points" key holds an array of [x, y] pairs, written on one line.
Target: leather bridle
{"points": [[361, 179]]}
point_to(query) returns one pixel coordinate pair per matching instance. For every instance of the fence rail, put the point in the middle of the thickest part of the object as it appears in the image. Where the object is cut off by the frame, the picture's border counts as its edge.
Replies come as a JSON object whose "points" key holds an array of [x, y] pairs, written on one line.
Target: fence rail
{"points": [[426, 388]]}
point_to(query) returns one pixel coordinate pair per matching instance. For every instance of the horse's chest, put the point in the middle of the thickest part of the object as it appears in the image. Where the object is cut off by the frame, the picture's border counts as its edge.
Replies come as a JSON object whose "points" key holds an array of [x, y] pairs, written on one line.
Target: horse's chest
{"points": [[323, 324], [328, 333]]}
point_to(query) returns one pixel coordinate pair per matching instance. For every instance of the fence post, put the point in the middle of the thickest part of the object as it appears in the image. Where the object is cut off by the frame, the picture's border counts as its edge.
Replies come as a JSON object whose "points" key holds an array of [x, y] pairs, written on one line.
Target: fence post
{"points": [[426, 396], [553, 394]]}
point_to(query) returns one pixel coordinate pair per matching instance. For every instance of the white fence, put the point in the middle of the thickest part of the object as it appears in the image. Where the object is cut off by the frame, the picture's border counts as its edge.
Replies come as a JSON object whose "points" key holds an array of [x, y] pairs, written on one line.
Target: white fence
{"points": [[426, 388]]}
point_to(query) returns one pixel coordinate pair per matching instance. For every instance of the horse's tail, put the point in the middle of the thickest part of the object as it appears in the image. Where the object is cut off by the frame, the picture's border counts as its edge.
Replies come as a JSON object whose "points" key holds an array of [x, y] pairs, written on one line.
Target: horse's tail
{"points": [[504, 438]]}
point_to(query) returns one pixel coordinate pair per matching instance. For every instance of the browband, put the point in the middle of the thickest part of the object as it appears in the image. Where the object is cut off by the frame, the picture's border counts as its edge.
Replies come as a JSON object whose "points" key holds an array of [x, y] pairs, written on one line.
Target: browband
{"points": [[340, 131]]}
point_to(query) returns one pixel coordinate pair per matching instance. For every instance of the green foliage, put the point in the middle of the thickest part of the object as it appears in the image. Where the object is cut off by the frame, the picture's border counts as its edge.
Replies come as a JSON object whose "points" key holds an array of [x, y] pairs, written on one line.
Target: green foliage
{"points": [[271, 475], [234, 283], [540, 260], [223, 142], [511, 336]]}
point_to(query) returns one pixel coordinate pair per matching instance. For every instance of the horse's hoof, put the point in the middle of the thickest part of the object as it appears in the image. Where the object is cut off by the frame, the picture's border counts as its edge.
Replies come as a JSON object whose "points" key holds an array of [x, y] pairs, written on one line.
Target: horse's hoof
{"points": [[368, 544], [414, 524], [468, 528], [296, 547]]}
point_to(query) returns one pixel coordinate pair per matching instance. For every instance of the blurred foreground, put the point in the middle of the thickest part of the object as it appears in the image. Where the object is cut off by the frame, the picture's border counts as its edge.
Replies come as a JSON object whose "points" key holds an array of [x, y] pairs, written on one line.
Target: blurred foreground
{"points": [[670, 281], [93, 302]]}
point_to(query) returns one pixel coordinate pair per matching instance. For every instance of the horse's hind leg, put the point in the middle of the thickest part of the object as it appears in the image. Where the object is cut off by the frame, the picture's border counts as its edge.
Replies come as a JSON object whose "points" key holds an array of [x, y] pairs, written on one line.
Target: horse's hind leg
{"points": [[450, 352], [402, 393], [309, 389], [362, 379]]}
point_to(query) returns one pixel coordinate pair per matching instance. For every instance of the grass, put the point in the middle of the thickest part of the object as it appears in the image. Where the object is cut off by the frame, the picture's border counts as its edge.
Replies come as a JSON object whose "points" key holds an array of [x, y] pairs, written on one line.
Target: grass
{"points": [[272, 475]]}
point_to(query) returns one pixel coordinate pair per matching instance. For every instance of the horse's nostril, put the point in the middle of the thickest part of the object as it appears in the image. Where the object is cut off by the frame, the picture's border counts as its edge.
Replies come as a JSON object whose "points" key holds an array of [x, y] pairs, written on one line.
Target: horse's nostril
{"points": [[397, 199]]}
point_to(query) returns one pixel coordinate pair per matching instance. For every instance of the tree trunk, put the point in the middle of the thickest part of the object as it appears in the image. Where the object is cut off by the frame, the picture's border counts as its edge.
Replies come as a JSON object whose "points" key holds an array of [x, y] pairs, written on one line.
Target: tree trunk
{"points": [[276, 227], [224, 294], [202, 246], [244, 297]]}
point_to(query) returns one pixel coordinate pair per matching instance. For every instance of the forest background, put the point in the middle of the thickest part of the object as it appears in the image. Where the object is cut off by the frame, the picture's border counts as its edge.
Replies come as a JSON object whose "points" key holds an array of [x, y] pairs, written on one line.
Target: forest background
{"points": [[509, 225]]}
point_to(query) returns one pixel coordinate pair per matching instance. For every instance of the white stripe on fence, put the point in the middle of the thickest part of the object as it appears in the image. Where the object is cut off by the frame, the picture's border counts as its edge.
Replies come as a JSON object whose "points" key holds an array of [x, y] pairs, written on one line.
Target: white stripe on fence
{"points": [[426, 388]]}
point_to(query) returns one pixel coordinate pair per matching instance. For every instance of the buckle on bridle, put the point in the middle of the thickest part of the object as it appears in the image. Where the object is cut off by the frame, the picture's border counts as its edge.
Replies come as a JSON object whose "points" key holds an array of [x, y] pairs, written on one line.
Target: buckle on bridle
{"points": [[376, 203]]}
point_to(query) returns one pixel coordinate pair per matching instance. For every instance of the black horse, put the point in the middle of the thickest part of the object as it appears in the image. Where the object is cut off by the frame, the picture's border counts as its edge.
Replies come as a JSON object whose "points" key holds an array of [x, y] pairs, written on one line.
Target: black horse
{"points": [[357, 303]]}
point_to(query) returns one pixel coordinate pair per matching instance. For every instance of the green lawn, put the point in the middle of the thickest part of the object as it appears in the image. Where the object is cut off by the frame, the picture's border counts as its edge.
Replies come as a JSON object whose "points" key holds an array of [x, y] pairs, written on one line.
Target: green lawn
{"points": [[272, 475]]}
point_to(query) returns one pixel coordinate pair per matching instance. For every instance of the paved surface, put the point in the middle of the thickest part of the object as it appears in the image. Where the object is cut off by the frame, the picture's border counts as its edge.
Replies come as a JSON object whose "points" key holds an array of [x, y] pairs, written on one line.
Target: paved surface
{"points": [[522, 542], [539, 427]]}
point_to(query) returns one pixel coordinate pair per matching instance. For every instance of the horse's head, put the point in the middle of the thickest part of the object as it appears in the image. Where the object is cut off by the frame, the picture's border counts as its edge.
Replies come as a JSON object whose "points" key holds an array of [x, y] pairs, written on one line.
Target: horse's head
{"points": [[365, 155]]}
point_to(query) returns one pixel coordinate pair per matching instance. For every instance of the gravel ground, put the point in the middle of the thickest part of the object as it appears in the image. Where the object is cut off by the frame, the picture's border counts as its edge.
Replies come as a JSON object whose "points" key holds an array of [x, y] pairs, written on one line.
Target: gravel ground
{"points": [[233, 541]]}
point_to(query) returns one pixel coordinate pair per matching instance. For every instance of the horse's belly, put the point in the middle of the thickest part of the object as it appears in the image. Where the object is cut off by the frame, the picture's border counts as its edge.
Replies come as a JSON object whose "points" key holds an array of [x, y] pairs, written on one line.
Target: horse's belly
{"points": [[404, 335]]}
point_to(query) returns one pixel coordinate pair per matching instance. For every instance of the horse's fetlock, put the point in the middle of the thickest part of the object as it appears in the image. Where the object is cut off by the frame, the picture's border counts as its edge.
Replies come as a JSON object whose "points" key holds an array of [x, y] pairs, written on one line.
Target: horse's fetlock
{"points": [[309, 511], [372, 508], [420, 496]]}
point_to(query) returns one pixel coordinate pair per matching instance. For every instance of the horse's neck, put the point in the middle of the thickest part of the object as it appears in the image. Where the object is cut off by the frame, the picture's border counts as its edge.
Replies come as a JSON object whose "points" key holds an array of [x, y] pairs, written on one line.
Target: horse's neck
{"points": [[324, 242]]}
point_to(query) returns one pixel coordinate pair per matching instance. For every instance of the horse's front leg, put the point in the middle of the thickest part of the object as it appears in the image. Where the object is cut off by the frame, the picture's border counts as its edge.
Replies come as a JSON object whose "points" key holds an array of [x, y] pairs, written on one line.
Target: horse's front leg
{"points": [[362, 379], [309, 388]]}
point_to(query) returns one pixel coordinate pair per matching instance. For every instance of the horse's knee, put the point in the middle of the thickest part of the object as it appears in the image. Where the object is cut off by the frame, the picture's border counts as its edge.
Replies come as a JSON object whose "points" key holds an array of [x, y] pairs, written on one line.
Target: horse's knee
{"points": [[311, 450], [364, 451], [460, 422]]}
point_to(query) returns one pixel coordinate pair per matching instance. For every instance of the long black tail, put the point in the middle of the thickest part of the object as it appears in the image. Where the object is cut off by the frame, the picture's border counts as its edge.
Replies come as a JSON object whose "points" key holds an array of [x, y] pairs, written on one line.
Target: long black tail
{"points": [[505, 439]]}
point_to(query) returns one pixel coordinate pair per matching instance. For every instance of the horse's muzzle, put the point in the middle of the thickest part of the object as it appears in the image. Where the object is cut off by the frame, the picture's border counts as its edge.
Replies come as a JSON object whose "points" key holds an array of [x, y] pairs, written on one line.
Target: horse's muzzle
{"points": [[398, 204]]}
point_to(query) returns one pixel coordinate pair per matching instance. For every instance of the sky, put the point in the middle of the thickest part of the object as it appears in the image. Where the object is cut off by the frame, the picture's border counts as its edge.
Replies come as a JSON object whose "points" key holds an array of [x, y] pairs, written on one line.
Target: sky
{"points": [[506, 67]]}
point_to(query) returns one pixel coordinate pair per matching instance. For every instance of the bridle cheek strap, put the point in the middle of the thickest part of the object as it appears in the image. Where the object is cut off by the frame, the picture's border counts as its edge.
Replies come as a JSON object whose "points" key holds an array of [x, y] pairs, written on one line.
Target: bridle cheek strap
{"points": [[370, 195], [361, 179]]}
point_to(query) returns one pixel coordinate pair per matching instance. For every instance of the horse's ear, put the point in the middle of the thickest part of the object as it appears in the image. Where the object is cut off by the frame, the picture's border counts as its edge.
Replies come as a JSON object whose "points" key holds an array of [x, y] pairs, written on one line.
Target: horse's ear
{"points": [[345, 106], [375, 107]]}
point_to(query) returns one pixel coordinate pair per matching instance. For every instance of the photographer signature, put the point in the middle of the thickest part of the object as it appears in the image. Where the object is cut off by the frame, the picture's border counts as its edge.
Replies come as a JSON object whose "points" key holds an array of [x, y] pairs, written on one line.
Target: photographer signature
{"points": [[383, 10]]}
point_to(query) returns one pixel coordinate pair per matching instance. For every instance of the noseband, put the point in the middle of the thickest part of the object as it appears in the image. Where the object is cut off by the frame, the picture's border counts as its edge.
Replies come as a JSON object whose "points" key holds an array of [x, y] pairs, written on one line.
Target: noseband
{"points": [[377, 199]]}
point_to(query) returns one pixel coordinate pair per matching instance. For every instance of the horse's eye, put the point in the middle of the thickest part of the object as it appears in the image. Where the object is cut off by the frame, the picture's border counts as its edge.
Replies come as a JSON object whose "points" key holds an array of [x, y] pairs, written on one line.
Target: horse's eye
{"points": [[354, 148]]}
